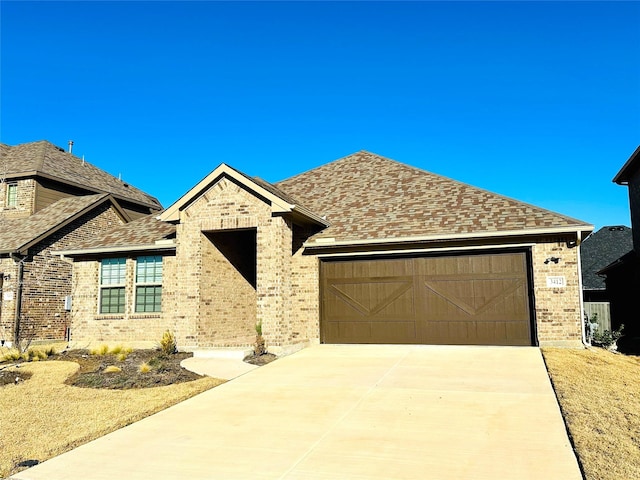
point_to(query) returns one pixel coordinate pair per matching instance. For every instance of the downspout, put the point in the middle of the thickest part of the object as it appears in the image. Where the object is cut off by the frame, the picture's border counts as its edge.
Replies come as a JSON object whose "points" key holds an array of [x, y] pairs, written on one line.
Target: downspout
{"points": [[16, 320], [584, 332]]}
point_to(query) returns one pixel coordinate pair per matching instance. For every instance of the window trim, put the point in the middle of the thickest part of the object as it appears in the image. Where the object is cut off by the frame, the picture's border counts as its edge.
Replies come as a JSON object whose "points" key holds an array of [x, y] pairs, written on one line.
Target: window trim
{"points": [[156, 283], [105, 286], [11, 198]]}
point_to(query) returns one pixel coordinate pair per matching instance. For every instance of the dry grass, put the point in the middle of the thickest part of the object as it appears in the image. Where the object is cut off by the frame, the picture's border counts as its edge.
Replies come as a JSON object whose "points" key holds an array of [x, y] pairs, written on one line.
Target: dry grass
{"points": [[599, 393], [43, 417]]}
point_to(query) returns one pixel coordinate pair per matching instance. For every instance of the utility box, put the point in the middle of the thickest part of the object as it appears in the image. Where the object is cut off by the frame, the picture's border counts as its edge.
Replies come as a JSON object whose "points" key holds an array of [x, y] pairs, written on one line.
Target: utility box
{"points": [[67, 303]]}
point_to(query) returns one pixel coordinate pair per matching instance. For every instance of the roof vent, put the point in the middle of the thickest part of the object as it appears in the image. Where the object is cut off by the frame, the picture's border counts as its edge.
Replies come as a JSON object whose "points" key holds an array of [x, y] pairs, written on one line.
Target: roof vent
{"points": [[70, 146]]}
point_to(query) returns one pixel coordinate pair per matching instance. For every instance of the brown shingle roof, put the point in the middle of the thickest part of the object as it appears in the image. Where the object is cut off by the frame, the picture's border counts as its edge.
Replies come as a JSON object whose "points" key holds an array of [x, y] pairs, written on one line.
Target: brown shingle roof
{"points": [[18, 234], [143, 231], [45, 159], [369, 197]]}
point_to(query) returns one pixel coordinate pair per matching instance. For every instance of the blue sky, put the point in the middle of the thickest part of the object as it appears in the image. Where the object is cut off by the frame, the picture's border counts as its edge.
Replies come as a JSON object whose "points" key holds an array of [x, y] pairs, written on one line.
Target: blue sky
{"points": [[539, 101]]}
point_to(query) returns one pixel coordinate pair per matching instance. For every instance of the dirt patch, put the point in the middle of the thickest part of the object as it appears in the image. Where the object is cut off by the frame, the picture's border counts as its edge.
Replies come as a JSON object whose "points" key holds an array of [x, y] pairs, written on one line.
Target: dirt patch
{"points": [[260, 359], [12, 376]]}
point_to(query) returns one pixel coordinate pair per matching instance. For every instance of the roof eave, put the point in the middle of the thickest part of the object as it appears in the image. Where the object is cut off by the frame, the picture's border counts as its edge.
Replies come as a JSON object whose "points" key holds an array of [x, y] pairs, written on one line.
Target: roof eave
{"points": [[622, 177], [329, 242], [159, 246]]}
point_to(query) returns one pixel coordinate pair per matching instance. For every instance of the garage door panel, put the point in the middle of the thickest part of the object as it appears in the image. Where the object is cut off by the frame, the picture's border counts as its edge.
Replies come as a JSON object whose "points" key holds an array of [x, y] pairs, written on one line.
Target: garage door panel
{"points": [[463, 299]]}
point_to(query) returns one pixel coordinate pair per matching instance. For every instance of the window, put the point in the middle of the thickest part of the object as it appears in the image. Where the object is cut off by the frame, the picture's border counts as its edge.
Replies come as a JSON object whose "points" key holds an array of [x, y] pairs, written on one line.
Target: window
{"points": [[12, 194], [112, 279], [148, 284]]}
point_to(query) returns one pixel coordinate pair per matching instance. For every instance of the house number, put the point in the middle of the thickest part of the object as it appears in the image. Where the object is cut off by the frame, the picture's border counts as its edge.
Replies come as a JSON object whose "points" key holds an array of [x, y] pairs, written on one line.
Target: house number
{"points": [[556, 282]]}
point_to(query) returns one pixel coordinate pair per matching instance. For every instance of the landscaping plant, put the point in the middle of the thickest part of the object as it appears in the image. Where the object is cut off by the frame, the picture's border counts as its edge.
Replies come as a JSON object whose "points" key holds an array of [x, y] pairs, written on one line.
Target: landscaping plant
{"points": [[168, 343]]}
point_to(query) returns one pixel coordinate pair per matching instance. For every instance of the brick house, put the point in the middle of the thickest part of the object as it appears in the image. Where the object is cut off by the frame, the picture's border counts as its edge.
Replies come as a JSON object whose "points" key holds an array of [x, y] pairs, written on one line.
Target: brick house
{"points": [[623, 275], [51, 199], [360, 250]]}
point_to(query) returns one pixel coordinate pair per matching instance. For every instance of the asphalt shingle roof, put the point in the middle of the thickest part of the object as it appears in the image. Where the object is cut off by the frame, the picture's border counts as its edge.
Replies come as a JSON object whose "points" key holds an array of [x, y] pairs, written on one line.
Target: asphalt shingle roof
{"points": [[44, 158], [599, 250], [16, 233], [365, 196], [143, 231]]}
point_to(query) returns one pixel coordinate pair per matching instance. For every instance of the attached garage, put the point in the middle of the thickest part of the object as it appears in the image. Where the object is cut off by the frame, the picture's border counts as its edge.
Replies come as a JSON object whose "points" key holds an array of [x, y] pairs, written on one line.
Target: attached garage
{"points": [[464, 299]]}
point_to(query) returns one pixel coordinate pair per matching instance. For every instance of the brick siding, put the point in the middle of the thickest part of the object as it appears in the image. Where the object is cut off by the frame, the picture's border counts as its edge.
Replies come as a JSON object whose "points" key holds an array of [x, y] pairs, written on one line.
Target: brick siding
{"points": [[47, 279]]}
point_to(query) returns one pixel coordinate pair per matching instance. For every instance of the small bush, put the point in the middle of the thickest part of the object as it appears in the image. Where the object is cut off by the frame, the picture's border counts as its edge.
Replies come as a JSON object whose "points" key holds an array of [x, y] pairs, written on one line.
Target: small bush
{"points": [[606, 338], [116, 350], [121, 357], [144, 368], [34, 355], [168, 343], [112, 369], [101, 350], [12, 355]]}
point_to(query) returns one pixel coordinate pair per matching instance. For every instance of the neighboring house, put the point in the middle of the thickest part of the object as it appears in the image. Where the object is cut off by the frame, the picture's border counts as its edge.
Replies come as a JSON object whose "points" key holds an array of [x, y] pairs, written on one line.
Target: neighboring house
{"points": [[51, 199], [623, 275], [599, 250], [361, 250]]}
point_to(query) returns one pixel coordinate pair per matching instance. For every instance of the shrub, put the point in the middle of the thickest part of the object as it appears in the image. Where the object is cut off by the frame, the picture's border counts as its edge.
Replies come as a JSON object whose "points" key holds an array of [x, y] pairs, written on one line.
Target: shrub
{"points": [[144, 368], [101, 350], [168, 343], [11, 355], [606, 338], [112, 369]]}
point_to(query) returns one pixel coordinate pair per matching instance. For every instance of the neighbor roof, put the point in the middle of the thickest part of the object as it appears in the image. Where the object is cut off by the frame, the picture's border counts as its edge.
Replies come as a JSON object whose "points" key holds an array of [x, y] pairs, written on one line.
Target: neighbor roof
{"points": [[145, 233], [629, 169], [17, 235], [366, 197], [44, 159], [601, 249]]}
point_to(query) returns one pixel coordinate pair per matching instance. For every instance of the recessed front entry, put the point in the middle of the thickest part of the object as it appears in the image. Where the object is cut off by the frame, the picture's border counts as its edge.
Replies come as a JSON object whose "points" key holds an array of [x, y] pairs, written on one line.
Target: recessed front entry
{"points": [[479, 299]]}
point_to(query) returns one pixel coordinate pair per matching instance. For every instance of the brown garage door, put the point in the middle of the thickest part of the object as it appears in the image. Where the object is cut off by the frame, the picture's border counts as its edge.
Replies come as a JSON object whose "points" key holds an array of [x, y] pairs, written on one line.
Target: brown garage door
{"points": [[458, 300]]}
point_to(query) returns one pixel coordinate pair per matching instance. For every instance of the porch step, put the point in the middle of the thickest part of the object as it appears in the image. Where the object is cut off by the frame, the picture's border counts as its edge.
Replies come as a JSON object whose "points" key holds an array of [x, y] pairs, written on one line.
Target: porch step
{"points": [[228, 353]]}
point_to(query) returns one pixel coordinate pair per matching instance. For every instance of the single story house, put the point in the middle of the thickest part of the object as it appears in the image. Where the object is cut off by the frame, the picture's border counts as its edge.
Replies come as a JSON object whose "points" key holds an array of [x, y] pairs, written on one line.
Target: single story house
{"points": [[361, 250]]}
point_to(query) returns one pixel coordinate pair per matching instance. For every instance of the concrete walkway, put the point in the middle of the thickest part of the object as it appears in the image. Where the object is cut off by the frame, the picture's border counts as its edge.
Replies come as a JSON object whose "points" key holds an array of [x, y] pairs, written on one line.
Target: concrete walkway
{"points": [[349, 412]]}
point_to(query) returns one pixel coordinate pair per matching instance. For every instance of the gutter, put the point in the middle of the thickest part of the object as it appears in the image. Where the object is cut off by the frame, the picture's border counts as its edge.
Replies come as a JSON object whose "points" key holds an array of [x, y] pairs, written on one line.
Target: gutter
{"points": [[18, 311], [158, 246], [328, 242]]}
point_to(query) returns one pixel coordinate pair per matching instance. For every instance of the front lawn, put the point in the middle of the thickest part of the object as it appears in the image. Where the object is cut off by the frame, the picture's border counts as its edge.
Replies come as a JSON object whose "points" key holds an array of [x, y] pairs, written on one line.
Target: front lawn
{"points": [[599, 394], [42, 416]]}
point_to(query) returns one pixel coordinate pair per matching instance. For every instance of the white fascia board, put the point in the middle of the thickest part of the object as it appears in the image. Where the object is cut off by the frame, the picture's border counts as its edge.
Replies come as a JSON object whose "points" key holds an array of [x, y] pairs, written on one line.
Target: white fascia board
{"points": [[427, 250], [330, 242], [123, 249]]}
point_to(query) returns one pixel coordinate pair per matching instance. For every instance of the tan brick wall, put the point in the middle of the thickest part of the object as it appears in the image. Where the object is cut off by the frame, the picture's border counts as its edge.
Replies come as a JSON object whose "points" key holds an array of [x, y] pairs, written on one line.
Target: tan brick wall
{"points": [[90, 327], [224, 306], [9, 270], [25, 199], [558, 310], [305, 291]]}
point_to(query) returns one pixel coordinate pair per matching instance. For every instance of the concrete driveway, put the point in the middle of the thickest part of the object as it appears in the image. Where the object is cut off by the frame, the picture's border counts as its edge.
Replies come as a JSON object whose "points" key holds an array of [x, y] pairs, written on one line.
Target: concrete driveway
{"points": [[350, 412]]}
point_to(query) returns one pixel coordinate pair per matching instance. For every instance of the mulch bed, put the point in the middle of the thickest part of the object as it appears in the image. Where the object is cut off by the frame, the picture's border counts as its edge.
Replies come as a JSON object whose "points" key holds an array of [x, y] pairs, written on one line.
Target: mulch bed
{"points": [[163, 369], [94, 371]]}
